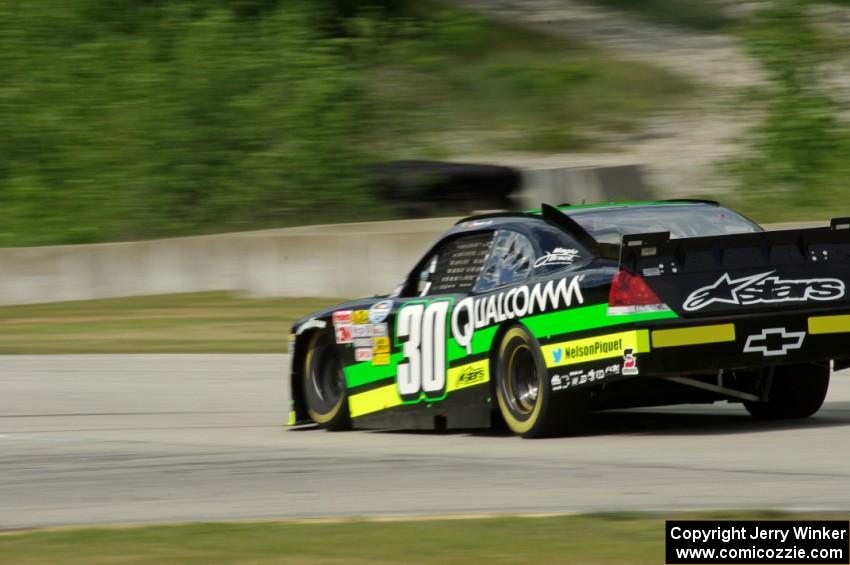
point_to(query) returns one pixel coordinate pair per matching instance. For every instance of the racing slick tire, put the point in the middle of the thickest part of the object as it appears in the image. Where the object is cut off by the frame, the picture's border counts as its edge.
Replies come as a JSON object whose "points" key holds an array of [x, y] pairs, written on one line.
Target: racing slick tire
{"points": [[525, 400], [796, 391], [324, 384]]}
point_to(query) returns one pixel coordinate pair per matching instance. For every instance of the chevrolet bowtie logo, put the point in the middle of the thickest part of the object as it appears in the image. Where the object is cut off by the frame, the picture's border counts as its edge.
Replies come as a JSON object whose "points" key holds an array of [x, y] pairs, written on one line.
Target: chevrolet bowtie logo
{"points": [[774, 341]]}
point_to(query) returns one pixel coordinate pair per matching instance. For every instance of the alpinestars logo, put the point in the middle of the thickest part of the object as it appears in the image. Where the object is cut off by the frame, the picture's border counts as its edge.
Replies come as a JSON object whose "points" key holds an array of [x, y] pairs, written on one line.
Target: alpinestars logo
{"points": [[764, 288]]}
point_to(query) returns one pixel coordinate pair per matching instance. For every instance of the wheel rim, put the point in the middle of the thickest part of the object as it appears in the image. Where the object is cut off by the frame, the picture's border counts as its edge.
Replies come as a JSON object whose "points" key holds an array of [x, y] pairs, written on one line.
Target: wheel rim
{"points": [[522, 385]]}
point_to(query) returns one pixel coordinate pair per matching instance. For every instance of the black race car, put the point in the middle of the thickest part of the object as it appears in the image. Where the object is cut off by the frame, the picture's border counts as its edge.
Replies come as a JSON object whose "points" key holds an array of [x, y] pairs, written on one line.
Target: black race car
{"points": [[535, 318]]}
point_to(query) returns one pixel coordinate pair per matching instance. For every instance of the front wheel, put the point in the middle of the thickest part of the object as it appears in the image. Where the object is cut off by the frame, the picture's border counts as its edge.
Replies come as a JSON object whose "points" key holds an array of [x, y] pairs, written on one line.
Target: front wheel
{"points": [[324, 384], [795, 391], [525, 399]]}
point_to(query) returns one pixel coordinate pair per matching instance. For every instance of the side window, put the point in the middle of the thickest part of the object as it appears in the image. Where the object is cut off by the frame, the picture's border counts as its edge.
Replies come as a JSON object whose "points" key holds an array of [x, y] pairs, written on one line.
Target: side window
{"points": [[511, 260], [455, 266]]}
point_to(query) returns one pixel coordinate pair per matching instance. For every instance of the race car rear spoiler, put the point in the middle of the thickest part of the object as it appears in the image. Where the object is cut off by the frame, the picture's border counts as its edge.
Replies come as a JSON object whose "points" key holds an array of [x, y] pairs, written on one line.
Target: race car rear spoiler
{"points": [[744, 271]]}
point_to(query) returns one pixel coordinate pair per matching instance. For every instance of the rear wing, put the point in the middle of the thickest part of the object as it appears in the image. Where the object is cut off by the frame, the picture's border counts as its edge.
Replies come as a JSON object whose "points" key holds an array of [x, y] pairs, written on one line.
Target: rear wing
{"points": [[744, 273], [652, 254]]}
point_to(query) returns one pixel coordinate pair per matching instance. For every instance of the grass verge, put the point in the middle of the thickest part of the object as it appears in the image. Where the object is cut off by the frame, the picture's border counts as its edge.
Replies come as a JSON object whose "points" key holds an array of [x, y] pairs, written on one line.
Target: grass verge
{"points": [[594, 539], [210, 322]]}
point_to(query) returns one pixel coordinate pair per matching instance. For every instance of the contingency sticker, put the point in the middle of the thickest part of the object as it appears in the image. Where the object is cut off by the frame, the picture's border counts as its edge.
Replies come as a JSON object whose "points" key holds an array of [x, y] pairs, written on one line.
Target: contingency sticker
{"points": [[342, 326], [363, 354], [381, 359], [362, 341], [381, 344], [343, 333], [379, 312], [362, 331]]}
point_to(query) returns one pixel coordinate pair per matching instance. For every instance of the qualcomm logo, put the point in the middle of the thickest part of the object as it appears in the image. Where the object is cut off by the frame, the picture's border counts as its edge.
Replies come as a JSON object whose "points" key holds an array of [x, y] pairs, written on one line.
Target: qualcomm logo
{"points": [[774, 341]]}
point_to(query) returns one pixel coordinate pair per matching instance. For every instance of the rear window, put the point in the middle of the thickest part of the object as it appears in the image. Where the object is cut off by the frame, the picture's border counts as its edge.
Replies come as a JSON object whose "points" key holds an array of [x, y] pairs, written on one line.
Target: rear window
{"points": [[609, 225]]}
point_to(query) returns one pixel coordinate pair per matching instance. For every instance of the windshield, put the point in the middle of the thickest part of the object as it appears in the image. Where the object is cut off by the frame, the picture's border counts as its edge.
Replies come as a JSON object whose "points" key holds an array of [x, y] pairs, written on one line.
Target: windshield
{"points": [[608, 225]]}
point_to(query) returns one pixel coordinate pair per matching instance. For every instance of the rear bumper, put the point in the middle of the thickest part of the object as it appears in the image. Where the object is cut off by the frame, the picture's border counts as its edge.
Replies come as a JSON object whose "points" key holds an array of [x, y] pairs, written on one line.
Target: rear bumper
{"points": [[689, 346]]}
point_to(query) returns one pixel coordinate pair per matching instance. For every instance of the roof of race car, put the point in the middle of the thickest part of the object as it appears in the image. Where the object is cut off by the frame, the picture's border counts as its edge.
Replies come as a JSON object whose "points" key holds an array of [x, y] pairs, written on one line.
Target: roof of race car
{"points": [[534, 213], [630, 204]]}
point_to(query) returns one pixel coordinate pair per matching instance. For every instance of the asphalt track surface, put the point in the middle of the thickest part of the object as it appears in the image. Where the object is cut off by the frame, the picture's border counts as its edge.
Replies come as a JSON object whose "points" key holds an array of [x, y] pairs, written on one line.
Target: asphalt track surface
{"points": [[162, 438]]}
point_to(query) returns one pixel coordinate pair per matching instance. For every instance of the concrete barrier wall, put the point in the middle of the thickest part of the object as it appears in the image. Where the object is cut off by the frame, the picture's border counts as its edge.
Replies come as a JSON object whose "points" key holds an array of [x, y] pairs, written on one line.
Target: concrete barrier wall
{"points": [[333, 261]]}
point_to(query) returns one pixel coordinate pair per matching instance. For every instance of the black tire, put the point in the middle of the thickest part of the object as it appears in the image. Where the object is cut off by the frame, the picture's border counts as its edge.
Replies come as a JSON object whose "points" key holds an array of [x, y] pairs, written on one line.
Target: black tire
{"points": [[525, 399], [796, 391], [324, 384]]}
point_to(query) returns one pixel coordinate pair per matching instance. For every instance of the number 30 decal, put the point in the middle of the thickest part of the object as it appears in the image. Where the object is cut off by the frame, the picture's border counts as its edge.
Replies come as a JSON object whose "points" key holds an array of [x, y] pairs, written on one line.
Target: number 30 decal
{"points": [[422, 331]]}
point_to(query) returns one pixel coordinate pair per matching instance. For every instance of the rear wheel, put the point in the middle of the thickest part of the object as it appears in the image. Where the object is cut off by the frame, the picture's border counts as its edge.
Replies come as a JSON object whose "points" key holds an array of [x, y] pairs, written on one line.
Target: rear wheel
{"points": [[795, 391], [324, 384], [525, 399]]}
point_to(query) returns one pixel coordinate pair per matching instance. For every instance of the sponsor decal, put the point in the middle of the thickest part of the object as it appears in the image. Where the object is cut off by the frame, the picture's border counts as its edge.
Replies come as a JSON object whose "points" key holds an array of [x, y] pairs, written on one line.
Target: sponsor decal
{"points": [[558, 256], [630, 366], [763, 288], [480, 312], [379, 311], [342, 316], [596, 348], [344, 333], [381, 344], [380, 330], [363, 354], [582, 376], [477, 224], [773, 342], [362, 341], [470, 375], [381, 359], [360, 317], [362, 331], [311, 324]]}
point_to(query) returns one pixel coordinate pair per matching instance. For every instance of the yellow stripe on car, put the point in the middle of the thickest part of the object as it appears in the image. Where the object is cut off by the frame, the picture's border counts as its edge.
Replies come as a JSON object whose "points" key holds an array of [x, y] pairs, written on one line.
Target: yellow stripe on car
{"points": [[373, 400], [577, 351], [698, 335], [829, 324]]}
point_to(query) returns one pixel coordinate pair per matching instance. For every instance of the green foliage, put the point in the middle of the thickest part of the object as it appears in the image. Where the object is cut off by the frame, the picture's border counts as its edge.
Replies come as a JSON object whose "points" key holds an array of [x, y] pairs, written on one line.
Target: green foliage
{"points": [[799, 152], [165, 118], [132, 119], [441, 79]]}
